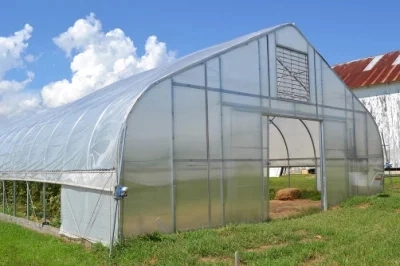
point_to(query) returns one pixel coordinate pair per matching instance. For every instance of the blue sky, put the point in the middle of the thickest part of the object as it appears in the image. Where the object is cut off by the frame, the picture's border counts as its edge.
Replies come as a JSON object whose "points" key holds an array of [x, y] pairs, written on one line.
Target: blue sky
{"points": [[340, 30]]}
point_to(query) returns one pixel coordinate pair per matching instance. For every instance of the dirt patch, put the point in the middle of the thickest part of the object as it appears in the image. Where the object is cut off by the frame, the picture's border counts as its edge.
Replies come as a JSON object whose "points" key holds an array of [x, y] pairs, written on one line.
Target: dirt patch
{"points": [[265, 247], [282, 209], [363, 206], [397, 211], [318, 237], [288, 194], [334, 208], [152, 261]]}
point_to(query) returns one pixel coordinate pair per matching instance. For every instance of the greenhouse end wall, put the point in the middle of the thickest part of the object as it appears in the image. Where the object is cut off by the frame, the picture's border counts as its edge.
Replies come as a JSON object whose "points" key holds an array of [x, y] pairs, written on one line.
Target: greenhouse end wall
{"points": [[196, 145]]}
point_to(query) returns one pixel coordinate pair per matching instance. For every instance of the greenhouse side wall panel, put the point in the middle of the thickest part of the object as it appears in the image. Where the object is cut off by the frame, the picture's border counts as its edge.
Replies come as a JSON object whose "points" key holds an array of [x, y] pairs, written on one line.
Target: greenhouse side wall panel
{"points": [[361, 135], [337, 183], [147, 164], [190, 143], [217, 214], [241, 129], [264, 67], [189, 123], [214, 125], [272, 65], [333, 88], [213, 73], [243, 192], [312, 76], [240, 69], [192, 76], [87, 214], [192, 198]]}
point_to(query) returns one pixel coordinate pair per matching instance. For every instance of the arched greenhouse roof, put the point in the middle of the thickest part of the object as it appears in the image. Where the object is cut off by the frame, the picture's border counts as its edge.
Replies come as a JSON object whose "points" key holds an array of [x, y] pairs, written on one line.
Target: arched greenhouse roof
{"points": [[83, 135]]}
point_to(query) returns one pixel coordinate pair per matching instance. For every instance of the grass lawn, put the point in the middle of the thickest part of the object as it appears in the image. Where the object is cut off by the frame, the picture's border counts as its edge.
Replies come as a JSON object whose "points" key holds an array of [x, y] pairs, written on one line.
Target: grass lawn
{"points": [[20, 246], [361, 231]]}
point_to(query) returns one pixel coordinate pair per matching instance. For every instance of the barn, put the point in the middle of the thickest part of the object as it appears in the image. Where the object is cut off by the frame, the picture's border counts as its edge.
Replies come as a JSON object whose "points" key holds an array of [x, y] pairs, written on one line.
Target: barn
{"points": [[375, 80], [190, 141]]}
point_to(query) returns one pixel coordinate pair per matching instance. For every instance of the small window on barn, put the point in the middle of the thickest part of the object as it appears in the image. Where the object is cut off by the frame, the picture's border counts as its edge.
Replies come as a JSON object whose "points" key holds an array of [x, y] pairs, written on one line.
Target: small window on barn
{"points": [[292, 75]]}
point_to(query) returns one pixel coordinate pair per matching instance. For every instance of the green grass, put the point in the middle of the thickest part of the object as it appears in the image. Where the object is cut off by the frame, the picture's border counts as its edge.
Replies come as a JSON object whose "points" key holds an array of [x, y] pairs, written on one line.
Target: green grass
{"points": [[392, 184], [361, 231], [20, 246]]}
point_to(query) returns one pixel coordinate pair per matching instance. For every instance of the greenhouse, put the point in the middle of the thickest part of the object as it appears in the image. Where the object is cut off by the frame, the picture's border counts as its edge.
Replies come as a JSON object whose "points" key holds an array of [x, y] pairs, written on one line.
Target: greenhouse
{"points": [[192, 141]]}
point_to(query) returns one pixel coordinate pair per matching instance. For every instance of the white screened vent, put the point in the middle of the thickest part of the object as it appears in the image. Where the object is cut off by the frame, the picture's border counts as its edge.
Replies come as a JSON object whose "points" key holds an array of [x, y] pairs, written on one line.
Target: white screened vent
{"points": [[292, 75]]}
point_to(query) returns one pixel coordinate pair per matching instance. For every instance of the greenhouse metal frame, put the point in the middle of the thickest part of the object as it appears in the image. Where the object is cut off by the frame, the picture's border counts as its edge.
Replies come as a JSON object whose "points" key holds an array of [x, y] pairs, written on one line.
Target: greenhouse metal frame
{"points": [[193, 140]]}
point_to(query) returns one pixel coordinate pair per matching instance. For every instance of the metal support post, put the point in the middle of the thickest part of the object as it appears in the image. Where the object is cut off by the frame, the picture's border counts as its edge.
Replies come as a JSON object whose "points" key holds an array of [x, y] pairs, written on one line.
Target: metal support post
{"points": [[267, 160], [222, 174], [172, 156], [44, 203], [322, 163], [14, 198], [208, 145], [261, 136], [27, 200], [4, 196]]}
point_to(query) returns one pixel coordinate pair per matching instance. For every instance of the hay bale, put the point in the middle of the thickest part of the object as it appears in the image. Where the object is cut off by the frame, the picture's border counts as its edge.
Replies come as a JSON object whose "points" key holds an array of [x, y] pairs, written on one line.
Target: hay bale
{"points": [[288, 194]]}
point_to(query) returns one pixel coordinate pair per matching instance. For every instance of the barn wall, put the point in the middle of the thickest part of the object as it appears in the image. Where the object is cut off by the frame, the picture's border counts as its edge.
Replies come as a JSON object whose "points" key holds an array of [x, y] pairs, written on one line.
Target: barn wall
{"points": [[383, 102]]}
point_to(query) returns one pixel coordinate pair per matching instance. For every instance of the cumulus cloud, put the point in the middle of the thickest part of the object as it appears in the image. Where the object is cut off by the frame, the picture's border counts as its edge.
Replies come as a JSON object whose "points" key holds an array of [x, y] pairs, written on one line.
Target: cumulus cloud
{"points": [[12, 55], [12, 49], [99, 58], [12, 104]]}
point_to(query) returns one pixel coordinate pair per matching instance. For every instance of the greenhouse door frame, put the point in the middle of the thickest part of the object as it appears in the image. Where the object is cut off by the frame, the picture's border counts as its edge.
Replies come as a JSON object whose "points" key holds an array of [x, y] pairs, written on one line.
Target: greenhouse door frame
{"points": [[268, 116]]}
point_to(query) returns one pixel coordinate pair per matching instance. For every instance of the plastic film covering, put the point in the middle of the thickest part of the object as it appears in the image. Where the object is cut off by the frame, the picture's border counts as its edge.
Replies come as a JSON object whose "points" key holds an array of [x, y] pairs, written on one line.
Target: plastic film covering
{"points": [[147, 164], [93, 220], [84, 135]]}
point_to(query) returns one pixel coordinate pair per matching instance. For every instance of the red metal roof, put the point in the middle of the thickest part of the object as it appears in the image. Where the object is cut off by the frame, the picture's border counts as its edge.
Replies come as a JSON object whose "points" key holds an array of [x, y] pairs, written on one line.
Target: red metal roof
{"points": [[370, 71]]}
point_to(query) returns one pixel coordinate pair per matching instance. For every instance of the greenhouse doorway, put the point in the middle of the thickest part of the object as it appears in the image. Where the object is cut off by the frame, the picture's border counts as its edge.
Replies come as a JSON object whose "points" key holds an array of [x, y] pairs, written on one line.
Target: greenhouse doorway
{"points": [[291, 150]]}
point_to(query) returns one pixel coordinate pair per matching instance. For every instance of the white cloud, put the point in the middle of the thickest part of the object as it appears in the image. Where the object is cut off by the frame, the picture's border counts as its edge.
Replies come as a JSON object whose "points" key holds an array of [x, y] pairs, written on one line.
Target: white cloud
{"points": [[12, 53], [12, 104], [98, 59], [15, 86], [30, 58]]}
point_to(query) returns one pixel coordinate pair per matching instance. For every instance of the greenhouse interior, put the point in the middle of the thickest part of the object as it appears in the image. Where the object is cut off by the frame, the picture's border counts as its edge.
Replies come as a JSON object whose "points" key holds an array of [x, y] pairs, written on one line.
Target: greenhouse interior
{"points": [[189, 145]]}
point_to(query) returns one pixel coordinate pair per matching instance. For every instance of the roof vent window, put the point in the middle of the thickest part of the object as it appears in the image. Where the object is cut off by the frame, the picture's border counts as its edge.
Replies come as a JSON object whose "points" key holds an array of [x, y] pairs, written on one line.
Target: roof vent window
{"points": [[292, 75]]}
